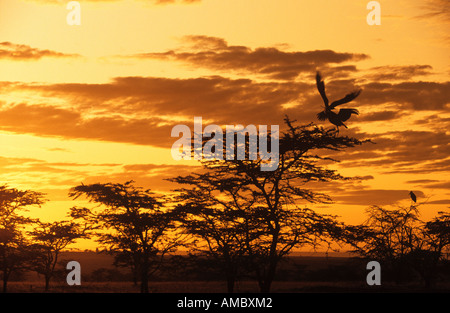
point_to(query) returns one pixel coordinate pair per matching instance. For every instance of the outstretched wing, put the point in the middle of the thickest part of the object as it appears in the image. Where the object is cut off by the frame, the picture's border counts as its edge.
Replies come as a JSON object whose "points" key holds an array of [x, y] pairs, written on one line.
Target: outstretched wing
{"points": [[344, 114], [322, 116], [413, 196], [321, 88], [346, 99]]}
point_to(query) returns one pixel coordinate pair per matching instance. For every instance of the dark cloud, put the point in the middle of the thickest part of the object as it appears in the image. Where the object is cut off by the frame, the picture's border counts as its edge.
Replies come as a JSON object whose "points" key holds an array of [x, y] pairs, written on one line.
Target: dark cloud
{"points": [[141, 110], [431, 183], [216, 54], [421, 181], [380, 116], [402, 97], [439, 202], [20, 52], [379, 197], [355, 192], [440, 185], [220, 99], [410, 95], [434, 120], [439, 9], [44, 120], [412, 152], [143, 117], [398, 72]]}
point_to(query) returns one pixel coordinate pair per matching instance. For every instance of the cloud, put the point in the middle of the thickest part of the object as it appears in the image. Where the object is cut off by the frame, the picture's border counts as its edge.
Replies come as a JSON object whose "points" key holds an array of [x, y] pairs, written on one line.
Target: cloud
{"points": [[356, 192], [410, 95], [20, 52], [439, 9], [57, 149], [153, 176], [216, 98], [436, 12], [367, 196], [36, 173], [138, 110], [405, 152], [44, 120], [398, 72], [143, 110], [421, 181], [389, 99], [156, 176], [215, 53], [439, 202], [380, 116], [56, 178], [379, 197], [353, 193], [439, 185]]}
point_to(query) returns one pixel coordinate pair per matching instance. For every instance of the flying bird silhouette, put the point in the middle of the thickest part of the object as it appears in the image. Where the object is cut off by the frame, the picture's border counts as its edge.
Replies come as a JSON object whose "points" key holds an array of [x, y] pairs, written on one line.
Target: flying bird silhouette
{"points": [[413, 196], [337, 119]]}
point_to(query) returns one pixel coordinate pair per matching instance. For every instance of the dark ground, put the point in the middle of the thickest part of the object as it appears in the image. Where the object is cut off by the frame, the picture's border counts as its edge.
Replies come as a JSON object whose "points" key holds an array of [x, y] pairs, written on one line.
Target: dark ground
{"points": [[308, 273]]}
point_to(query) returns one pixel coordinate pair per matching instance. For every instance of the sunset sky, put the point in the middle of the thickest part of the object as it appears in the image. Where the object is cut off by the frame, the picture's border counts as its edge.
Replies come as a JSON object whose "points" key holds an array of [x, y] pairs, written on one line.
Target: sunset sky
{"points": [[96, 102]]}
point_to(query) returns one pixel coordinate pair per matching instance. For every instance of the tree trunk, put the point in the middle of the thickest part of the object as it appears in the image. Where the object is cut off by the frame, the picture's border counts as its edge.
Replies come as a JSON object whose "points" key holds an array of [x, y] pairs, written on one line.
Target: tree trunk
{"points": [[264, 286], [231, 279], [135, 275], [144, 285], [144, 277], [230, 284], [47, 282], [5, 282], [266, 282], [231, 273]]}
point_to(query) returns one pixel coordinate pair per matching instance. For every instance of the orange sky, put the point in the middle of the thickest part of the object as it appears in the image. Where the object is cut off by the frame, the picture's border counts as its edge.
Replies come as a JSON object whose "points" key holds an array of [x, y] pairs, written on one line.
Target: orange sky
{"points": [[96, 102]]}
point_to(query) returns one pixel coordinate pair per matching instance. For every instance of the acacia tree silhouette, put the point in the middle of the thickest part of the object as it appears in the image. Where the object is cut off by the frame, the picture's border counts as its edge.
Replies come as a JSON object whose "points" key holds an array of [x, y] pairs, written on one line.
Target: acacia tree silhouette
{"points": [[387, 236], [435, 239], [220, 228], [132, 224], [402, 241], [258, 211], [48, 240], [14, 252]]}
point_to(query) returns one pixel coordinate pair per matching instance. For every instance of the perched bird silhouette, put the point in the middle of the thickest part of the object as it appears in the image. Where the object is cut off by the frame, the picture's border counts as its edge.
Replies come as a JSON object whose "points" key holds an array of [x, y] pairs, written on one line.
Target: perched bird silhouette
{"points": [[413, 196], [337, 119]]}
